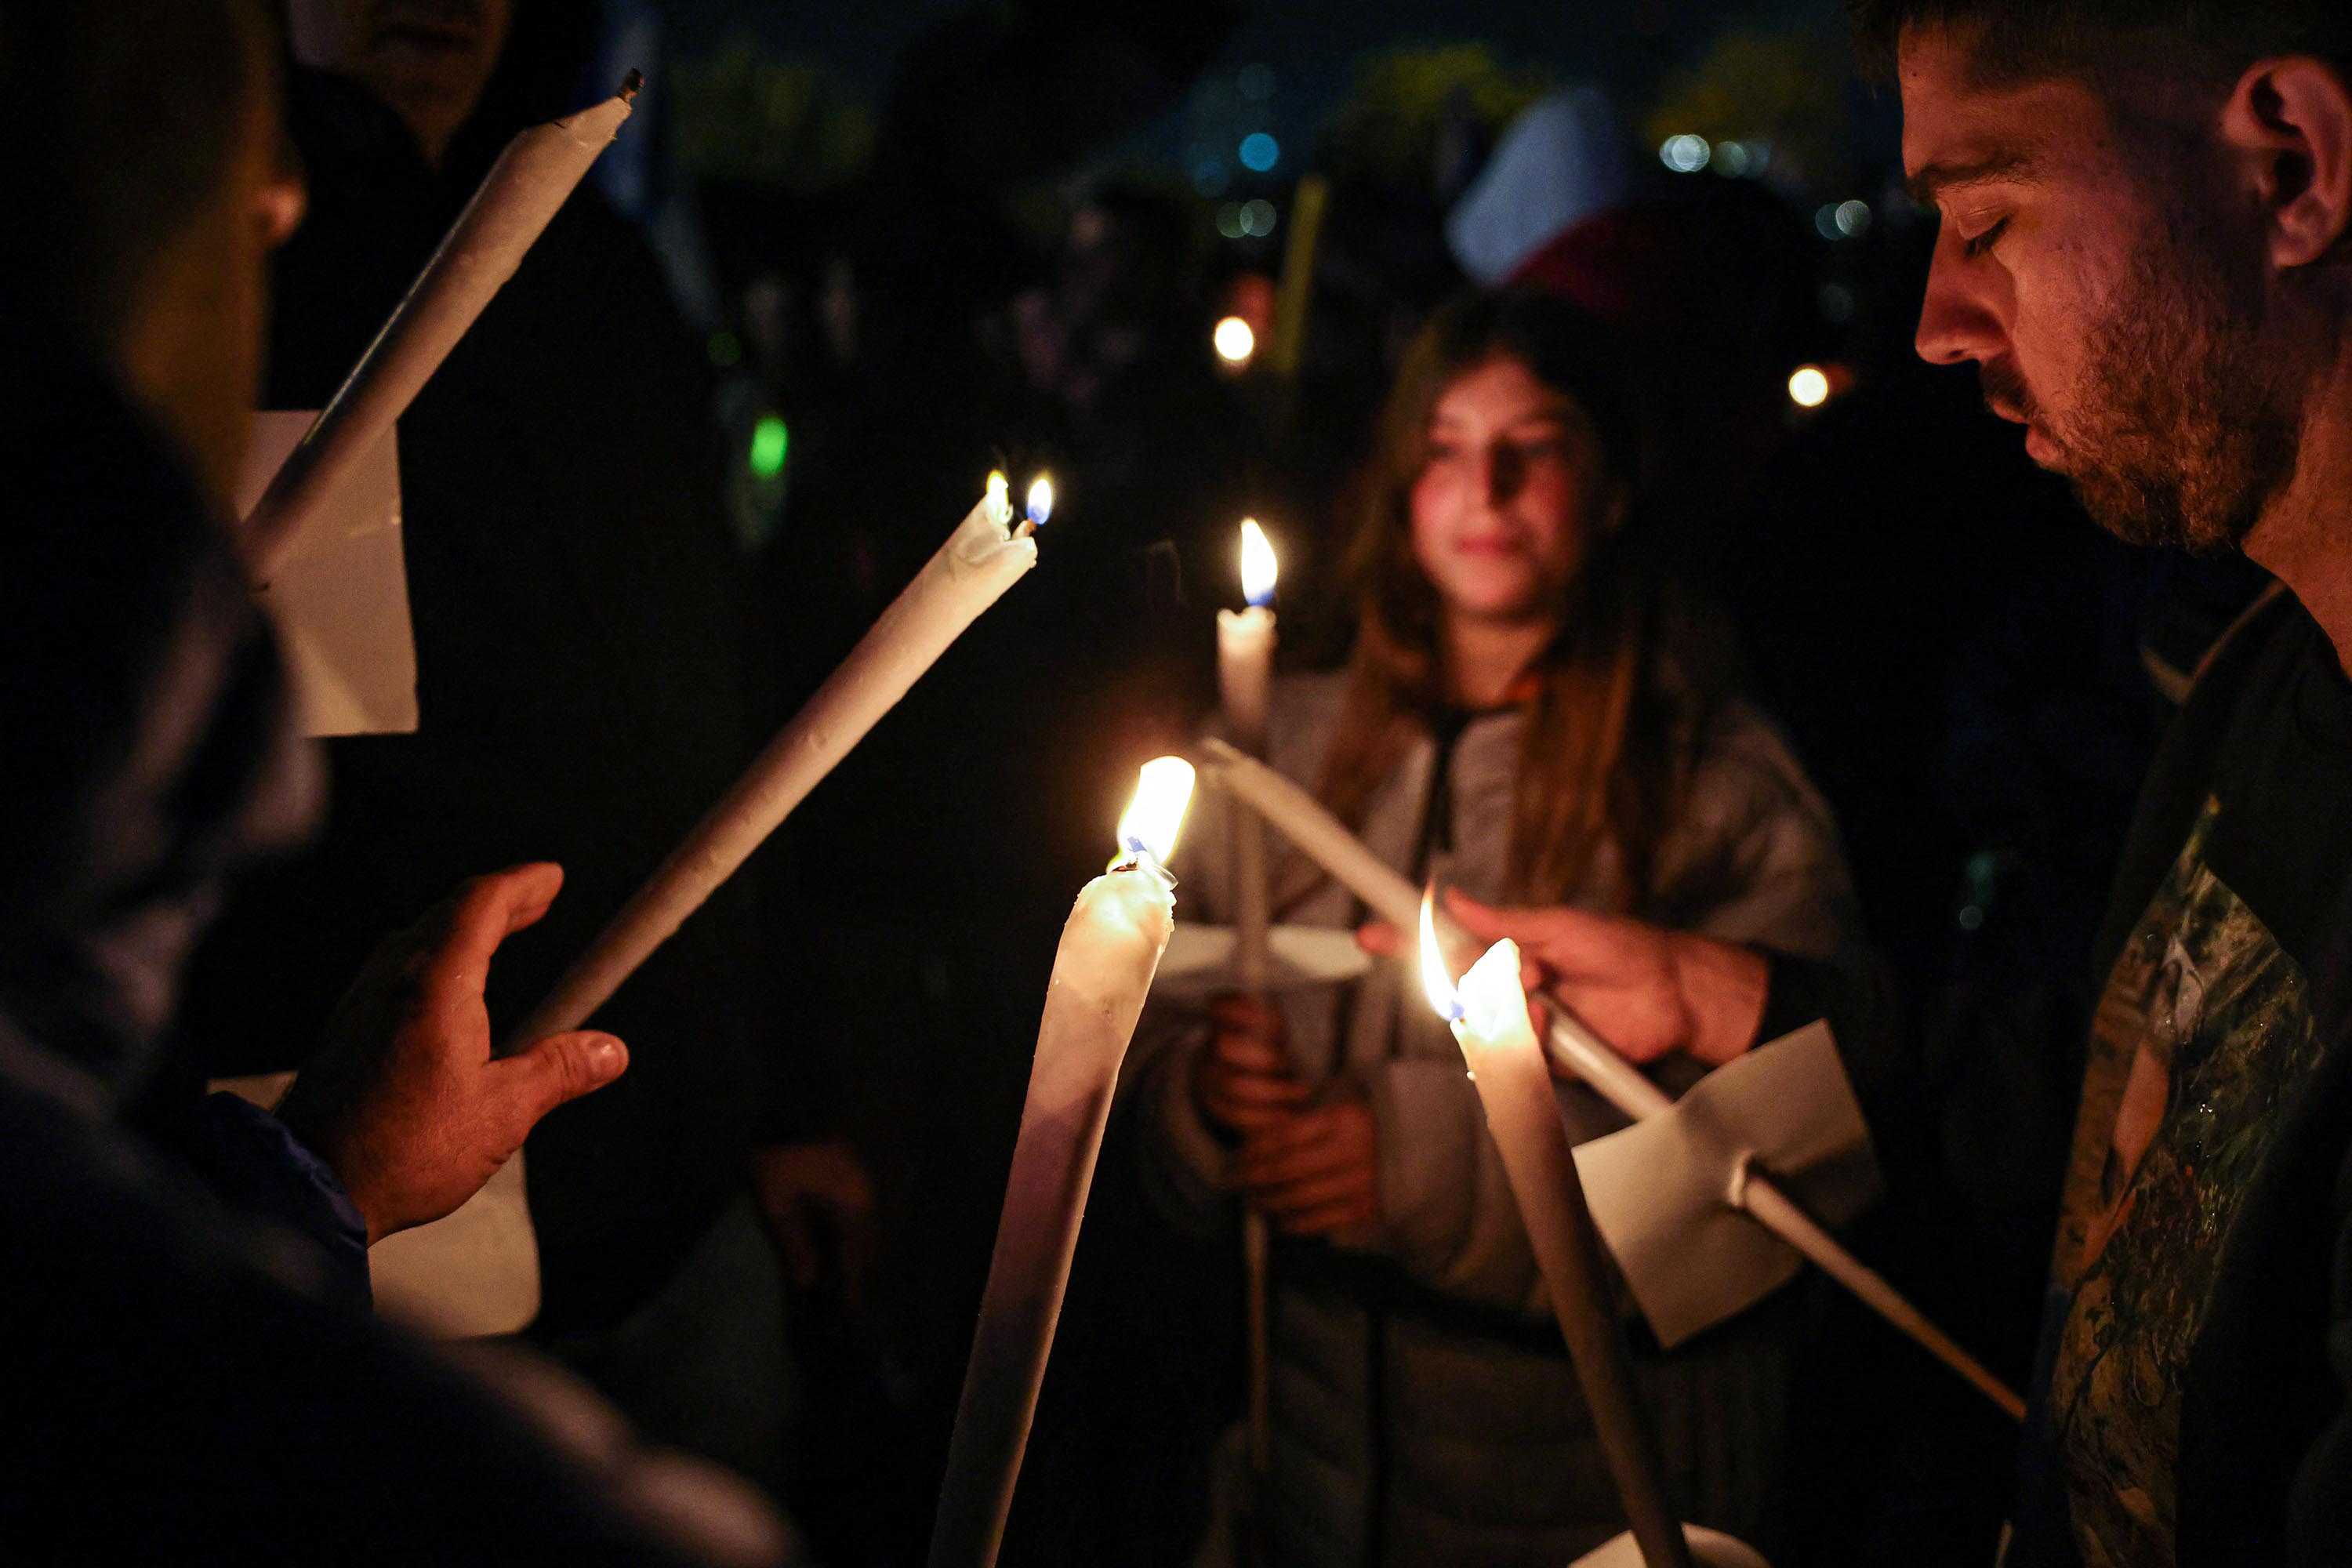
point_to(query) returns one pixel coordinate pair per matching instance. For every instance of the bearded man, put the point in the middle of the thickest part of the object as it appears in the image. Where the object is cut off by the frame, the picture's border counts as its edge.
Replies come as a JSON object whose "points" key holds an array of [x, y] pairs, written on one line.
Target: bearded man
{"points": [[2144, 208]]}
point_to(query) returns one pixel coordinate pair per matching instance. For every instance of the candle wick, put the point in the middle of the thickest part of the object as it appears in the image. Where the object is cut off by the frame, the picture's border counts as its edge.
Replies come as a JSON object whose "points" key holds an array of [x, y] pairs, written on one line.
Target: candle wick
{"points": [[630, 84]]}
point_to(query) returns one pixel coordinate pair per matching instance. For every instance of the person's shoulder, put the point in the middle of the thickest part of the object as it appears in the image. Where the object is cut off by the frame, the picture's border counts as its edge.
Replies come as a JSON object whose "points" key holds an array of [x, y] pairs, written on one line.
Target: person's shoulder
{"points": [[1742, 765]]}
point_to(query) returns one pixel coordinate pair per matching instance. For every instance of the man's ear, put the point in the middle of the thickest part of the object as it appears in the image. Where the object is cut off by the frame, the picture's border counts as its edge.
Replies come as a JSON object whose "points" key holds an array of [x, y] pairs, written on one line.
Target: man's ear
{"points": [[2290, 119]]}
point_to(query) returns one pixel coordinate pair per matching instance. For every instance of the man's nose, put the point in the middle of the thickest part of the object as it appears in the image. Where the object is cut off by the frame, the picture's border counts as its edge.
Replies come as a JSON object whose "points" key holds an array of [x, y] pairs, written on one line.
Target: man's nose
{"points": [[1961, 318]]}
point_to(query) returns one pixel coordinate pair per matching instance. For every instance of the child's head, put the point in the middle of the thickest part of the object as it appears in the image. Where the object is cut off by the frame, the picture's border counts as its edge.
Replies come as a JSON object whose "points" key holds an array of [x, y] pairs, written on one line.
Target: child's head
{"points": [[1504, 491], [1506, 466]]}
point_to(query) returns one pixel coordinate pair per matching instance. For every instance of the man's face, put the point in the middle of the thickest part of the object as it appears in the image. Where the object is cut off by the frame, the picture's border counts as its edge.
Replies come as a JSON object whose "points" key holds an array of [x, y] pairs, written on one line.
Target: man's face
{"points": [[429, 60], [2113, 298]]}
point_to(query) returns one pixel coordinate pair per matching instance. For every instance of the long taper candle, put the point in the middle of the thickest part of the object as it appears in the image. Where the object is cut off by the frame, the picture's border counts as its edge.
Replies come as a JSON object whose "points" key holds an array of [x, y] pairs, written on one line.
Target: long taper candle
{"points": [[1110, 949], [533, 179], [1489, 1016], [1245, 682], [980, 560]]}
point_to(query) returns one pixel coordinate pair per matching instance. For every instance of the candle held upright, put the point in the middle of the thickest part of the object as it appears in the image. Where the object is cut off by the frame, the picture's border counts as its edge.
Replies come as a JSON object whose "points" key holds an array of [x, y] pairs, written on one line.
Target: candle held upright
{"points": [[1245, 682], [1489, 1018], [1102, 972]]}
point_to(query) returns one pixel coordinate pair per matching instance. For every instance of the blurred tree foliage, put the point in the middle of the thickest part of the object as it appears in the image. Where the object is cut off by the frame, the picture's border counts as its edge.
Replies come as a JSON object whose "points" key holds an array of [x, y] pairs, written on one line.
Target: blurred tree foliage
{"points": [[1788, 89], [1392, 128], [746, 117]]}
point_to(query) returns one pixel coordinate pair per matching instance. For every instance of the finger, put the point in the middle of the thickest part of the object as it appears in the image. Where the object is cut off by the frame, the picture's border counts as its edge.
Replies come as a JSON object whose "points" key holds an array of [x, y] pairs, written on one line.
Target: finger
{"points": [[558, 1069], [1249, 1119], [1558, 940], [1380, 939], [1265, 1172], [1242, 1015], [1328, 1219], [482, 914], [1239, 1053], [1262, 1094], [1312, 1193]]}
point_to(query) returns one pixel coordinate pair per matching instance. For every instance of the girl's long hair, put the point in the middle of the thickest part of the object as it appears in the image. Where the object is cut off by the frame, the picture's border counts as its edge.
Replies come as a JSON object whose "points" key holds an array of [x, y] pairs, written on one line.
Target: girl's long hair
{"points": [[1599, 769]]}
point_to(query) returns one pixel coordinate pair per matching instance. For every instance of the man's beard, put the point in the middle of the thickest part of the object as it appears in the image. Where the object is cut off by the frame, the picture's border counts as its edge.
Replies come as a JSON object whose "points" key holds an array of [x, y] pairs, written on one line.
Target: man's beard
{"points": [[2182, 429]]}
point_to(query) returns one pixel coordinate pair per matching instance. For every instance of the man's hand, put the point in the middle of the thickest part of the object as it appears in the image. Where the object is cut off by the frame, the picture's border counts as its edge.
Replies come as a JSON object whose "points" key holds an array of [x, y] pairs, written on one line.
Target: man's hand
{"points": [[1644, 990], [1243, 1079], [1313, 1171], [404, 1102], [798, 1183]]}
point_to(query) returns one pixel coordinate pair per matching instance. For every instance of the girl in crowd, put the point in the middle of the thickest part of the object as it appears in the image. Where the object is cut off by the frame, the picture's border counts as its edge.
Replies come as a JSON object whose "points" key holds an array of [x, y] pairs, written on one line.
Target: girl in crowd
{"points": [[1523, 718]]}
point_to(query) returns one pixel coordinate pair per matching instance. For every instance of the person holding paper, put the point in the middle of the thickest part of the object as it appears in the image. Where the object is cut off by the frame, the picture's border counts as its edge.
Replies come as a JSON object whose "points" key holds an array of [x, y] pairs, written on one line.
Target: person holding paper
{"points": [[1522, 711], [188, 1380], [588, 656]]}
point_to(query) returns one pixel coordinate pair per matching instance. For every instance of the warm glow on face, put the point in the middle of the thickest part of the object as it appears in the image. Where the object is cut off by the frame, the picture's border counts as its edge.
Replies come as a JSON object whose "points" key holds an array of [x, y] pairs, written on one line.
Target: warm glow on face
{"points": [[1434, 980], [1156, 815], [1235, 341], [1041, 501], [1257, 564], [1493, 1002], [1000, 499], [1809, 386]]}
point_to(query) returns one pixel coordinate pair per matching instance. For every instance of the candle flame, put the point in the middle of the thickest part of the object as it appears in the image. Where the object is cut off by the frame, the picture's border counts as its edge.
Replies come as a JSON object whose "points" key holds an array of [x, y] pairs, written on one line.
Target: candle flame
{"points": [[1435, 979], [1257, 564], [1041, 501], [1162, 792], [1493, 1002], [999, 497]]}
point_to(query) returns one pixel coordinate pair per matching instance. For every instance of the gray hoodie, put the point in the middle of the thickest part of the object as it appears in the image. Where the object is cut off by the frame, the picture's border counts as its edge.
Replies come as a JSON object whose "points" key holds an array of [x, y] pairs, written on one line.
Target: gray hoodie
{"points": [[1424, 1409]]}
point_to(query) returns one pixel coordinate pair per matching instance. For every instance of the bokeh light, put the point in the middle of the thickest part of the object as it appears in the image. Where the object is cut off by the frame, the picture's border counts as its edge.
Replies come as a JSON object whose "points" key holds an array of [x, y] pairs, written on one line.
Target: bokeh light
{"points": [[1684, 154], [1234, 342], [1809, 386], [770, 443], [1260, 151]]}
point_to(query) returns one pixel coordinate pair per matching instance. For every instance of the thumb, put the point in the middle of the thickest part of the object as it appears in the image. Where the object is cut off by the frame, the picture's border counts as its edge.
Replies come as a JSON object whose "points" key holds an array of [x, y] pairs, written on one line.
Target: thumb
{"points": [[1481, 921], [562, 1068]]}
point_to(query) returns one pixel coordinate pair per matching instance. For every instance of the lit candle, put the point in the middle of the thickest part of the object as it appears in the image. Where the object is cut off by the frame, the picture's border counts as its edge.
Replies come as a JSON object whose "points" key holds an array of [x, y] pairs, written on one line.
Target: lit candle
{"points": [[525, 188], [1244, 676], [1489, 1015], [1110, 949], [980, 560]]}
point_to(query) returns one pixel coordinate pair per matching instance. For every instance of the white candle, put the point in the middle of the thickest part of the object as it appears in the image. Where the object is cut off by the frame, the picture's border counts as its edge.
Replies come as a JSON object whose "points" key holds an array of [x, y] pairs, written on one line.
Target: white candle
{"points": [[1245, 680], [525, 188], [970, 572], [1110, 949], [1490, 1021], [1244, 675]]}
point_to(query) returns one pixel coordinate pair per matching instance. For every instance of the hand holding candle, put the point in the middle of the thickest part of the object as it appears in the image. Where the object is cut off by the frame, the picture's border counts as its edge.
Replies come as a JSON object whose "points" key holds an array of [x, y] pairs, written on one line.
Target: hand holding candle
{"points": [[1102, 972], [1324, 839]]}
